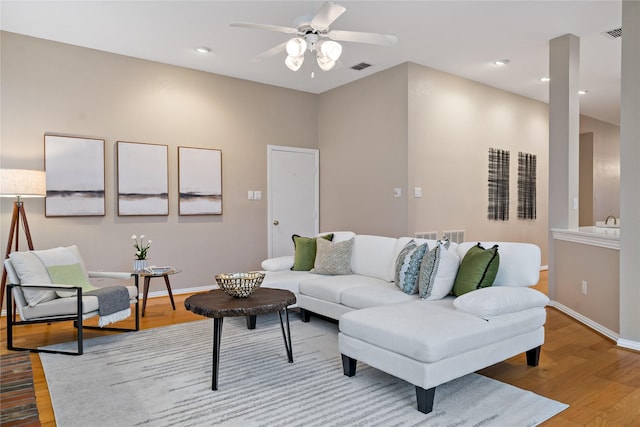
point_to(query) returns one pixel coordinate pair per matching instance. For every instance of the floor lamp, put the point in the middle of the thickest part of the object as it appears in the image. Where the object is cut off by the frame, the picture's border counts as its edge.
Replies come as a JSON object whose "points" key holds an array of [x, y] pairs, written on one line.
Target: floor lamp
{"points": [[19, 184]]}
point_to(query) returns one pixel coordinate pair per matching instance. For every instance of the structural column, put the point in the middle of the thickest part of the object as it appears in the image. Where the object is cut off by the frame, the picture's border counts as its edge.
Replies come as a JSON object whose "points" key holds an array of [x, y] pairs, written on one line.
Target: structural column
{"points": [[564, 138], [630, 177]]}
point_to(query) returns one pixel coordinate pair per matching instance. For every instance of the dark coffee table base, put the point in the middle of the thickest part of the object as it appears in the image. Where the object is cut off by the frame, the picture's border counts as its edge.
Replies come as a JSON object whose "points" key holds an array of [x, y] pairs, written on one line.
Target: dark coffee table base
{"points": [[217, 337], [218, 305]]}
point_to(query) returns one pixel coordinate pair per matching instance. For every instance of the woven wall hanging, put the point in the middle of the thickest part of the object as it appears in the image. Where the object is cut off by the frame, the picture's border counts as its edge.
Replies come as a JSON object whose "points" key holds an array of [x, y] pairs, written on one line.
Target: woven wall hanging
{"points": [[526, 186], [498, 209]]}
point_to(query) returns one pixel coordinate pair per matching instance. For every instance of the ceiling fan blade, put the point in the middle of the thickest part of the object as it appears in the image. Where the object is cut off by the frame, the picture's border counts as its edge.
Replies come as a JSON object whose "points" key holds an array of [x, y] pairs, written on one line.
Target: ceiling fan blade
{"points": [[287, 30], [270, 52], [328, 13], [357, 37]]}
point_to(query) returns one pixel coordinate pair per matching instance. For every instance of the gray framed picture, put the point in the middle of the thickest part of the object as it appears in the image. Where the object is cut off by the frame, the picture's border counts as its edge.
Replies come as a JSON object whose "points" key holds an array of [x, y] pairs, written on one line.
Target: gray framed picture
{"points": [[143, 179], [74, 169], [199, 181]]}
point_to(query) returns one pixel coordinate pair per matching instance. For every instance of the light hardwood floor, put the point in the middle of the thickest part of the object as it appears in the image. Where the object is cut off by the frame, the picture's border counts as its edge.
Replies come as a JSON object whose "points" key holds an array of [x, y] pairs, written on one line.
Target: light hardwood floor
{"points": [[599, 381]]}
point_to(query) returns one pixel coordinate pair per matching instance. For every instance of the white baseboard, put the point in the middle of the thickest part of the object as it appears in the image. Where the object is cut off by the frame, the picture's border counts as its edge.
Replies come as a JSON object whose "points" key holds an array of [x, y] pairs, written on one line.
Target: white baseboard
{"points": [[620, 342], [631, 345]]}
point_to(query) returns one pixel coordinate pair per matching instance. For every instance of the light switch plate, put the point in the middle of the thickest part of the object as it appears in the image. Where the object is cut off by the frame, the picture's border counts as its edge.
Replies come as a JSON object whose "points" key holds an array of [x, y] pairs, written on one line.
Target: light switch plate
{"points": [[250, 195], [417, 192], [257, 195]]}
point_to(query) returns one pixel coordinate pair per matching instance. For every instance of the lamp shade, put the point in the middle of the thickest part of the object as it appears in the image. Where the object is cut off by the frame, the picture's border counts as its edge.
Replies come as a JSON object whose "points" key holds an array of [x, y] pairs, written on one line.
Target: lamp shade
{"points": [[22, 183]]}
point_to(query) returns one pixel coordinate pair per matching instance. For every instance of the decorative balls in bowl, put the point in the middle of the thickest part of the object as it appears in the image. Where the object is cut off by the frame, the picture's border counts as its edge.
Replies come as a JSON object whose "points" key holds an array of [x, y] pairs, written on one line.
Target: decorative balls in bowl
{"points": [[240, 285]]}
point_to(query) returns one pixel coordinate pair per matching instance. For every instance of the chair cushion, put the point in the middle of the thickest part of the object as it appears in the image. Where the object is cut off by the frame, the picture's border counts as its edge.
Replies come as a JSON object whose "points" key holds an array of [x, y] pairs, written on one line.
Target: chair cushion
{"points": [[31, 270], [68, 306], [62, 265]]}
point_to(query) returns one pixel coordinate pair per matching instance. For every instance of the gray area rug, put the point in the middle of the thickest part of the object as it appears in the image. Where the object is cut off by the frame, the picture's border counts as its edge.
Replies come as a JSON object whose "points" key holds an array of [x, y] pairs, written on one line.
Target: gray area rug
{"points": [[162, 377]]}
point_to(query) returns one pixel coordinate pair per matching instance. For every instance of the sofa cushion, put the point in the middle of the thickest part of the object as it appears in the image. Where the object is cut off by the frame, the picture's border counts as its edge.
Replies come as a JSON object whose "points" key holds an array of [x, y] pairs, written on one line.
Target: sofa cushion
{"points": [[373, 294], [330, 288], [478, 269], [305, 251], [278, 263], [408, 267], [434, 330], [438, 272], [496, 301], [333, 258], [519, 262], [373, 256], [286, 279]]}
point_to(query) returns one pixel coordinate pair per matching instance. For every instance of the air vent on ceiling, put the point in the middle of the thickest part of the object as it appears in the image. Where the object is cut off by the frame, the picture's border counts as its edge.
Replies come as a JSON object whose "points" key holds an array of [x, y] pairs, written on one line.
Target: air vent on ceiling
{"points": [[360, 66], [616, 33]]}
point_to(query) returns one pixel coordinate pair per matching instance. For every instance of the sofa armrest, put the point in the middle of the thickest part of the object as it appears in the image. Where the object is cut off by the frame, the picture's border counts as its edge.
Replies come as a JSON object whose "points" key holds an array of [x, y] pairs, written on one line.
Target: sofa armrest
{"points": [[278, 263], [118, 275]]}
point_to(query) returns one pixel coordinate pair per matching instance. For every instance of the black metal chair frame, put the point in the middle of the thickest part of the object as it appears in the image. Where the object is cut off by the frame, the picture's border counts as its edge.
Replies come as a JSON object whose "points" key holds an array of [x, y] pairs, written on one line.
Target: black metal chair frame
{"points": [[76, 318]]}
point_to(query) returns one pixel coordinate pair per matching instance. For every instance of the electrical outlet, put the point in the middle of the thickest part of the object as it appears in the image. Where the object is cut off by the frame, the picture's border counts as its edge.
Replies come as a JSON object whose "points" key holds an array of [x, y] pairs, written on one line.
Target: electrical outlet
{"points": [[397, 192], [584, 287]]}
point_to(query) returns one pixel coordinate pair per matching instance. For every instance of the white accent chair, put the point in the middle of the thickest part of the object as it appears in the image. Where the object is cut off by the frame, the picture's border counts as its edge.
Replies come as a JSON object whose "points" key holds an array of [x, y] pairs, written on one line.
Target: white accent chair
{"points": [[32, 294]]}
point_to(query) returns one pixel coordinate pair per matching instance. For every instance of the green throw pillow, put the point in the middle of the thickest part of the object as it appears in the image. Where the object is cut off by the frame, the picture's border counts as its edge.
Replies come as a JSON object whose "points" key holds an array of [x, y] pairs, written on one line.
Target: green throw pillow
{"points": [[478, 269], [305, 251], [71, 275]]}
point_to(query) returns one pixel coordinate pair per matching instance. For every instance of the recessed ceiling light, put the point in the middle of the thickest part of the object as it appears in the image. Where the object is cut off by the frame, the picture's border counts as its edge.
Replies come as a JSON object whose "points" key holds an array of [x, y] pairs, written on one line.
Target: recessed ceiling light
{"points": [[544, 79], [203, 49], [583, 92], [501, 62]]}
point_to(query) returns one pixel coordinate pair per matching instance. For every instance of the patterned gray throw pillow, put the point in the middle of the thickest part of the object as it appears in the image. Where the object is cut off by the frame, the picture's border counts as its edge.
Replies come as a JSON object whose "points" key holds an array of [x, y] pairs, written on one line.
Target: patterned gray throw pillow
{"points": [[333, 258]]}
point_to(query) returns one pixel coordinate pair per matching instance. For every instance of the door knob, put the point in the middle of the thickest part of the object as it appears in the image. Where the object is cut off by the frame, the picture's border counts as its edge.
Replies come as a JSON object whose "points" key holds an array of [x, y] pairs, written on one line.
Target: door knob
{"points": [[276, 222]]}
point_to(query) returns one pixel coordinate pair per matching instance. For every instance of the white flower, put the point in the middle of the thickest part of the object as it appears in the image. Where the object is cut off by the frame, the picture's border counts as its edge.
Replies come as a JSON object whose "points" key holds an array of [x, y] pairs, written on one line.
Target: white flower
{"points": [[133, 237]]}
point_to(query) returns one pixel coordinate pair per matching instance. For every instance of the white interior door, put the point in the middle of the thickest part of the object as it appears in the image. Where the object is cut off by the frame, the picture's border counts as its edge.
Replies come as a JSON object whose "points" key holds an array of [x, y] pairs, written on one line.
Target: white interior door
{"points": [[293, 196]]}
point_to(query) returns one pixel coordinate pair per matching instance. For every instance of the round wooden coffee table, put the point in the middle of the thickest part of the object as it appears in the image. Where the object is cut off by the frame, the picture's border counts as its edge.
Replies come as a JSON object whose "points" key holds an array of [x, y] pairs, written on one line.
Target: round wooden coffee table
{"points": [[218, 305]]}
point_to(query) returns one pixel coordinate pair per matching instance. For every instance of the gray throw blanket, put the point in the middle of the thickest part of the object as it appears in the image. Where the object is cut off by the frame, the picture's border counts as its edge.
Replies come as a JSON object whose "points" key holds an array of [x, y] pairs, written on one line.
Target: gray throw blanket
{"points": [[112, 301]]}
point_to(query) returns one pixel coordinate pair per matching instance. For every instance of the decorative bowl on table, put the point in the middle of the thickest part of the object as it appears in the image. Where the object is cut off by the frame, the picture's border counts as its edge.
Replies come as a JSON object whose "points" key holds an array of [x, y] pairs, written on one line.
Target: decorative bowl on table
{"points": [[240, 285]]}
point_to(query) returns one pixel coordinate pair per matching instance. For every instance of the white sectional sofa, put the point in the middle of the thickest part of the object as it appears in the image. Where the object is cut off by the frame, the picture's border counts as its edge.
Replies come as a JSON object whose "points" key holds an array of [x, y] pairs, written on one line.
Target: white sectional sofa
{"points": [[425, 342]]}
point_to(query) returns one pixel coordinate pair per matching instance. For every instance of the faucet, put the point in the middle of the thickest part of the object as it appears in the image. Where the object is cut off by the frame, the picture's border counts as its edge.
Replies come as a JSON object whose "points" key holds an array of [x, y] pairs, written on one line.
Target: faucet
{"points": [[615, 220]]}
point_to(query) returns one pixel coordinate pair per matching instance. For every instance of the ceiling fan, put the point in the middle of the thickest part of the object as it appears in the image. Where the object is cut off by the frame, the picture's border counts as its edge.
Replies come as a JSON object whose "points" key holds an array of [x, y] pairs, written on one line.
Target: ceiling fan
{"points": [[312, 33]]}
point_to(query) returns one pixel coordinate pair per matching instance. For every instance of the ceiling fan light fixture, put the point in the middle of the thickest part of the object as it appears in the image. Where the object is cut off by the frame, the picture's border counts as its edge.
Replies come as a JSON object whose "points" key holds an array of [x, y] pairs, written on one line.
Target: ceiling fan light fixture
{"points": [[325, 63], [331, 49], [296, 46], [294, 62]]}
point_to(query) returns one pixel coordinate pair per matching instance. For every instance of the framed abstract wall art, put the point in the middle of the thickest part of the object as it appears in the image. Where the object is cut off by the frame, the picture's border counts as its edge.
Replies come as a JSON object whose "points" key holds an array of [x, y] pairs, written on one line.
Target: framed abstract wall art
{"points": [[74, 169], [199, 181], [143, 179]]}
